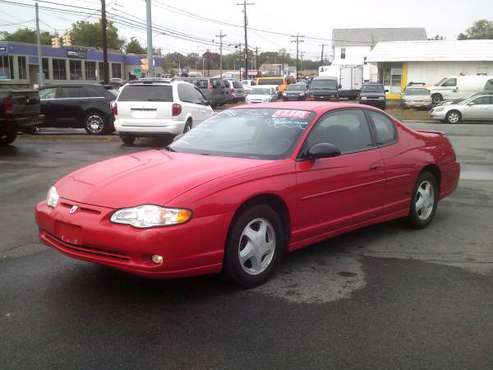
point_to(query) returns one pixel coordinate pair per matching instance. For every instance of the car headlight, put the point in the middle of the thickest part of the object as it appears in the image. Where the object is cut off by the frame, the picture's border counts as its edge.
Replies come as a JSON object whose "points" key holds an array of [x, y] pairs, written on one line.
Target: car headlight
{"points": [[52, 197], [149, 215], [438, 109], [363, 98]]}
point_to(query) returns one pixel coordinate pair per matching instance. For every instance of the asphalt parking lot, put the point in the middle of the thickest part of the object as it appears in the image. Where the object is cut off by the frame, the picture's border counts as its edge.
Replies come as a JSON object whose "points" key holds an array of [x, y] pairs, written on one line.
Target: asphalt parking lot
{"points": [[383, 297]]}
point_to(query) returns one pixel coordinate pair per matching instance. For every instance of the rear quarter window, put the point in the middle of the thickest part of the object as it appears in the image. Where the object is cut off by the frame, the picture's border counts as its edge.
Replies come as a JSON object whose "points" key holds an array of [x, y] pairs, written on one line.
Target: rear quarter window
{"points": [[163, 93], [384, 128]]}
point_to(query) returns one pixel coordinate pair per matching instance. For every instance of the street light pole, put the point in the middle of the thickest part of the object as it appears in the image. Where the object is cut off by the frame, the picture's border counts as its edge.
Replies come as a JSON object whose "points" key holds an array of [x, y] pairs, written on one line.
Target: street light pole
{"points": [[38, 41], [150, 60], [106, 77]]}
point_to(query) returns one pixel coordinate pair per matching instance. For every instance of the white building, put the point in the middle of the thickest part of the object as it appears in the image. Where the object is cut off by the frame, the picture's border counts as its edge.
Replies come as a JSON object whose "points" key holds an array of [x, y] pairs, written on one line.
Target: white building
{"points": [[351, 46], [401, 62]]}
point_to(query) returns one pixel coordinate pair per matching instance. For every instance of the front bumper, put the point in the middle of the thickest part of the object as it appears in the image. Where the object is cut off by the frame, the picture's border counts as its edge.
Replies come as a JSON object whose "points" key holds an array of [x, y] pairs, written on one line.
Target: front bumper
{"points": [[323, 97], [438, 115], [162, 127], [88, 235]]}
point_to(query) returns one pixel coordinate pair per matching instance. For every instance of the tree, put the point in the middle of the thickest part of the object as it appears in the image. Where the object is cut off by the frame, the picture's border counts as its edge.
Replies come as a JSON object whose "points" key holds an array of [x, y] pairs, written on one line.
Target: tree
{"points": [[26, 35], [481, 29], [89, 34], [134, 46]]}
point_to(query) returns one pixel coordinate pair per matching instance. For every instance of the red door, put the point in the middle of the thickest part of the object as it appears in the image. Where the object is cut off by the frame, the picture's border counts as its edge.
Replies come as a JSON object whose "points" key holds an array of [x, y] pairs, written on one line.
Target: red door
{"points": [[338, 192]]}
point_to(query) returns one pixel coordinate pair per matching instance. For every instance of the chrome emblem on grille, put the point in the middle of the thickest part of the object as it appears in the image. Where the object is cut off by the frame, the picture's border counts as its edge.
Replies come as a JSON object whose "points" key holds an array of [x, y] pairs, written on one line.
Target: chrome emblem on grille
{"points": [[73, 210]]}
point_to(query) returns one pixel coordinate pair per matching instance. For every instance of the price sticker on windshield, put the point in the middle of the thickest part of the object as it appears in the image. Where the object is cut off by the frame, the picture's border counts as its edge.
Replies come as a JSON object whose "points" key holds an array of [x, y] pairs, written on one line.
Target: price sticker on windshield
{"points": [[291, 113]]}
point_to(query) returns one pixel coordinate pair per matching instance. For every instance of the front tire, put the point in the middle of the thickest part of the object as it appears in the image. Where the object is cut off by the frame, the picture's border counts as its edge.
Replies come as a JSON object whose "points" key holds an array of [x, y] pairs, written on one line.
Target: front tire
{"points": [[436, 99], [424, 201], [453, 117], [7, 137], [255, 245]]}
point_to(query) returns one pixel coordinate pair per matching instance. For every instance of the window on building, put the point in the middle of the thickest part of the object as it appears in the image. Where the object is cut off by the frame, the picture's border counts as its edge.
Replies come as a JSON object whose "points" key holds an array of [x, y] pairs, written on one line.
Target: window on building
{"points": [[116, 70], [101, 71], [46, 69], [59, 69], [343, 53], [75, 70], [6, 67], [90, 70], [22, 67]]}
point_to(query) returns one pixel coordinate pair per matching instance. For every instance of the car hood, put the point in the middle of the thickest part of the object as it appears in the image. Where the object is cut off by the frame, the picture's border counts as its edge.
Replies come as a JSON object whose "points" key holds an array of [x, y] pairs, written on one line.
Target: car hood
{"points": [[259, 96], [150, 177]]}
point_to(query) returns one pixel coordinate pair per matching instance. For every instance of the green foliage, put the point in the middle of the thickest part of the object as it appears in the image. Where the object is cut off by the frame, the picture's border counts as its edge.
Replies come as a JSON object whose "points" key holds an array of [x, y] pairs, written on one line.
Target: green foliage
{"points": [[481, 29], [134, 46], [26, 35], [89, 34]]}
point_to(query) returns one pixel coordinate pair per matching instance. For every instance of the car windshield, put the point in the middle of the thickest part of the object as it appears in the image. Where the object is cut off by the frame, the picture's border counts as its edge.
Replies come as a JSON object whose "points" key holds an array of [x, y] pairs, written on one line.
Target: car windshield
{"points": [[372, 88], [296, 87], [324, 84], [147, 92], [441, 81], [270, 81], [266, 133], [416, 91], [237, 85], [261, 91]]}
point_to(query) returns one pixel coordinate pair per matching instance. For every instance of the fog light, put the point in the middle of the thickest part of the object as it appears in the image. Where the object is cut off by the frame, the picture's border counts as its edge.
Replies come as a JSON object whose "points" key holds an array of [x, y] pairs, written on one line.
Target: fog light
{"points": [[157, 259]]}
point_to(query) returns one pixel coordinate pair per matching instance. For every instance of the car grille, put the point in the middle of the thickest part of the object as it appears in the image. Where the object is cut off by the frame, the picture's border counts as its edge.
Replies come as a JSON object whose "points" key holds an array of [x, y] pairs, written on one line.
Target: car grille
{"points": [[90, 251]]}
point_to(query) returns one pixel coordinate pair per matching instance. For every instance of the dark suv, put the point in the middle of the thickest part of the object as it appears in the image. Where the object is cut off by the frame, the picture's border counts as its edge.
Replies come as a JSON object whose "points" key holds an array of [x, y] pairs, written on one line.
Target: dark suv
{"points": [[372, 94], [78, 105]]}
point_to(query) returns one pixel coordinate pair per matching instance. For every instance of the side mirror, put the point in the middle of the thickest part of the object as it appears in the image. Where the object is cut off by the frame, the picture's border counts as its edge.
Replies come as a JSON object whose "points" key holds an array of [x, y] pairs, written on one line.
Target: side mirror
{"points": [[323, 150]]}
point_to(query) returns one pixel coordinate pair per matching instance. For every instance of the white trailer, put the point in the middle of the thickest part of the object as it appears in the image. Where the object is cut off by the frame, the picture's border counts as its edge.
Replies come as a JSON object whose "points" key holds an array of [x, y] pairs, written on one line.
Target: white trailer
{"points": [[349, 77]]}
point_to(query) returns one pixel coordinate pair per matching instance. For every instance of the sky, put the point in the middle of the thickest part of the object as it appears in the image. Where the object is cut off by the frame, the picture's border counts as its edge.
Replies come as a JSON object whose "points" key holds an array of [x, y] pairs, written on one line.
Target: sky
{"points": [[311, 18]]}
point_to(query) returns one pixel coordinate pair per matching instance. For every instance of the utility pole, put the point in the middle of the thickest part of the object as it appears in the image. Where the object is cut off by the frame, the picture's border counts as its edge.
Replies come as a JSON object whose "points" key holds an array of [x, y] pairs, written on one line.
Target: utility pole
{"points": [[245, 25], [322, 55], [38, 41], [104, 25], [221, 35], [297, 40], [256, 57], [150, 61]]}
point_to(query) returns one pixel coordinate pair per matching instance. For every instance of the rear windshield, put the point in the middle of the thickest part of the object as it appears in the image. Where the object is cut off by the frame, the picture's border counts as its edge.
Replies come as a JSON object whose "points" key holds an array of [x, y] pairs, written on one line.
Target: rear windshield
{"points": [[416, 91], [147, 93], [270, 81], [372, 88]]}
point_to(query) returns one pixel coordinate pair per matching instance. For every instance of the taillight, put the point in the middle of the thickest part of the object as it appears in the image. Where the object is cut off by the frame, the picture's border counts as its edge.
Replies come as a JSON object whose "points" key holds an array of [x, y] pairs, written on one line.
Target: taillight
{"points": [[8, 105], [175, 109], [114, 108], [209, 85]]}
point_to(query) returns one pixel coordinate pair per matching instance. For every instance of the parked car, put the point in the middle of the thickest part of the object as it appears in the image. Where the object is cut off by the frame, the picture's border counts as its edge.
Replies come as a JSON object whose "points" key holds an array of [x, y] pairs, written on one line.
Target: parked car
{"points": [[416, 97], [478, 107], [85, 106], [214, 90], [456, 87], [262, 94], [236, 90], [156, 108], [246, 186], [372, 94], [323, 88], [20, 110], [277, 82], [295, 91], [247, 85]]}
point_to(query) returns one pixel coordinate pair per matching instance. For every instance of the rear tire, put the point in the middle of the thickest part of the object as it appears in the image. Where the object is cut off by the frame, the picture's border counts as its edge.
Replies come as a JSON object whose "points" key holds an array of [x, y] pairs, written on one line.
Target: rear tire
{"points": [[95, 123], [436, 99], [424, 201], [8, 137], [128, 139], [255, 245]]}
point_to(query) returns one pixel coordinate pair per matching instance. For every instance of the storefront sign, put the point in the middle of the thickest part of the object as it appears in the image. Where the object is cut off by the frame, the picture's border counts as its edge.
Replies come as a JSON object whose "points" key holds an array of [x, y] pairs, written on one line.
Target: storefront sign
{"points": [[77, 53], [3, 48]]}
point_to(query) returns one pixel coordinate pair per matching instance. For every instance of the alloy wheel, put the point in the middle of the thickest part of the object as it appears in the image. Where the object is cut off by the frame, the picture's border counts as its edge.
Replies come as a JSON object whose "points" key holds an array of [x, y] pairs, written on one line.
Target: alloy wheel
{"points": [[95, 123], [425, 200], [453, 117], [257, 246]]}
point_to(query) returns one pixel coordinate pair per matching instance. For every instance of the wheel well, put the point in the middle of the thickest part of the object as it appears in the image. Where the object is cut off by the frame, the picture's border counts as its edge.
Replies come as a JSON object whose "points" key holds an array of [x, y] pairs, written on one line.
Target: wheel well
{"points": [[93, 110], [435, 171], [273, 201]]}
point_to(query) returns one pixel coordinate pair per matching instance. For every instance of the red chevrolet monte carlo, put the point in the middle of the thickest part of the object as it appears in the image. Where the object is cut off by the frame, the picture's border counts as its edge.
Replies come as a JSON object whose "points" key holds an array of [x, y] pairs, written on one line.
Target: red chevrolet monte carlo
{"points": [[247, 185]]}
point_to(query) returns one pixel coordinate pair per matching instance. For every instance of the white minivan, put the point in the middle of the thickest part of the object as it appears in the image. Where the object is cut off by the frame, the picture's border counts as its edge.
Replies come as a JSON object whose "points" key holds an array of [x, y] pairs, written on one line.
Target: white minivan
{"points": [[155, 107], [456, 87]]}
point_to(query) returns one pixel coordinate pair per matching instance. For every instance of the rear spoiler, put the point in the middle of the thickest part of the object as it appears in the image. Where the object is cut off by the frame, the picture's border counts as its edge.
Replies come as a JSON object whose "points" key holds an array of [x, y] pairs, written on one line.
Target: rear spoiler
{"points": [[441, 133]]}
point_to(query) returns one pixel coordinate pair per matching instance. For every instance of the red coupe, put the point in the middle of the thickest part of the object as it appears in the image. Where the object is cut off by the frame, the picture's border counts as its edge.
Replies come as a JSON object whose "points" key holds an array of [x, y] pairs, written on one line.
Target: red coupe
{"points": [[247, 185]]}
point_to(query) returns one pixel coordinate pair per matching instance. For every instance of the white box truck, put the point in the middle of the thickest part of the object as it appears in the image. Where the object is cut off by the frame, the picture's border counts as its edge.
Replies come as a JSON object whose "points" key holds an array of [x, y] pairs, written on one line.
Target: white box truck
{"points": [[457, 87], [349, 78]]}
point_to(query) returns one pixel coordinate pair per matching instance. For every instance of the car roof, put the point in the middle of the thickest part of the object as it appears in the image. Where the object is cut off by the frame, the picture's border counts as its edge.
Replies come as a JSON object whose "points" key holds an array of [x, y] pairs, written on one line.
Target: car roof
{"points": [[51, 86], [314, 106]]}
